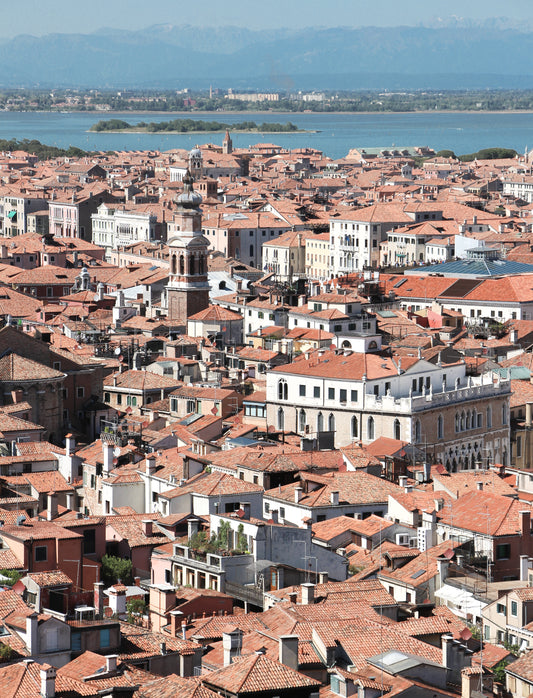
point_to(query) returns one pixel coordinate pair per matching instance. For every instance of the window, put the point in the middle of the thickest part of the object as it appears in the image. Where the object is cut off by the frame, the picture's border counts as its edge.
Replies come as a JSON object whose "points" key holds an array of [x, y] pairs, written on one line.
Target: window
{"points": [[355, 428], [514, 608], [267, 507], [316, 391], [89, 541], [397, 429], [80, 392], [486, 632], [320, 422], [302, 420], [105, 637], [302, 390], [107, 397], [331, 393], [503, 551], [75, 641], [331, 422], [370, 429], [500, 608], [283, 390], [281, 419], [440, 427], [518, 446], [119, 399], [418, 431], [282, 512], [41, 553], [504, 414], [343, 395], [353, 395], [489, 417]]}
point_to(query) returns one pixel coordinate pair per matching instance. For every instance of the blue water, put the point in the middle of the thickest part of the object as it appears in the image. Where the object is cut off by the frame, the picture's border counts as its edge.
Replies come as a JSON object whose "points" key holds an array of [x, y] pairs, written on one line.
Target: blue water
{"points": [[338, 133]]}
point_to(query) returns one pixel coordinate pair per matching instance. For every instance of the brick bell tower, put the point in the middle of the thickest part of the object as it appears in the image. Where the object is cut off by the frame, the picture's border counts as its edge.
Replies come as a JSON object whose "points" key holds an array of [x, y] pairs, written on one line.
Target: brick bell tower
{"points": [[188, 288]]}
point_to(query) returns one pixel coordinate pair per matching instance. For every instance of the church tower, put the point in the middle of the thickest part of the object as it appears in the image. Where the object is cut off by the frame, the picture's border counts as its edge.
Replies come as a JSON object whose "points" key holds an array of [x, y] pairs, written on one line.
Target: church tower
{"points": [[196, 163], [227, 144], [188, 288]]}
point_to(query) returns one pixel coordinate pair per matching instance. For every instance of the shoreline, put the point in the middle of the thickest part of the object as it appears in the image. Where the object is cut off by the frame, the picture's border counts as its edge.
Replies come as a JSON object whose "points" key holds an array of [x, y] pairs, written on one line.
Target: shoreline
{"points": [[198, 114], [201, 133]]}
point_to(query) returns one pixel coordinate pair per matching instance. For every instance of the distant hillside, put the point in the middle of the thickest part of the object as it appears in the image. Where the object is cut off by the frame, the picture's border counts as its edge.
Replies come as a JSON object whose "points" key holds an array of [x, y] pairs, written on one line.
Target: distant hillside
{"points": [[163, 56]]}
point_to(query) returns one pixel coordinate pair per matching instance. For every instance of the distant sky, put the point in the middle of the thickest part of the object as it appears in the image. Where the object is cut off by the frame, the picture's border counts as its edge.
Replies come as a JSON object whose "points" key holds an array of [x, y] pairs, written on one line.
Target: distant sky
{"points": [[38, 17]]}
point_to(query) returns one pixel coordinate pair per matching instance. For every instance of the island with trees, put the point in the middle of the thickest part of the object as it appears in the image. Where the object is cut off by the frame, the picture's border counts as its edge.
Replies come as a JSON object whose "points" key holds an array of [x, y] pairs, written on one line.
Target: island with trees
{"points": [[192, 126]]}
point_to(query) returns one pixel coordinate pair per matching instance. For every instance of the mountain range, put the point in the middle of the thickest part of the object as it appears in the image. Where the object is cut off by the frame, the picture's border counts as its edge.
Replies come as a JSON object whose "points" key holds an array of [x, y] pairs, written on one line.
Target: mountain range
{"points": [[446, 55]]}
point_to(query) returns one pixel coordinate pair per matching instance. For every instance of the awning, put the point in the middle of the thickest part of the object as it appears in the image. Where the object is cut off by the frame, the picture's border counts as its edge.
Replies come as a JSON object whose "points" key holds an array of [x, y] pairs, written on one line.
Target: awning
{"points": [[12, 215]]}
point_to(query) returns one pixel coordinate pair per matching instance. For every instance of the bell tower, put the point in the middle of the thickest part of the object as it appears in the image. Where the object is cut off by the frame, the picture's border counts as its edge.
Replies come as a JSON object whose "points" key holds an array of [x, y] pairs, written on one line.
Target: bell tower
{"points": [[227, 144], [188, 288]]}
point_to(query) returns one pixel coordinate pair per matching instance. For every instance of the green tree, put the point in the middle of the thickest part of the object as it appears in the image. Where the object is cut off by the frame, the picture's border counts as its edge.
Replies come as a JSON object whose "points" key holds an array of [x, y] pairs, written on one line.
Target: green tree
{"points": [[135, 609], [499, 671], [12, 575], [115, 568]]}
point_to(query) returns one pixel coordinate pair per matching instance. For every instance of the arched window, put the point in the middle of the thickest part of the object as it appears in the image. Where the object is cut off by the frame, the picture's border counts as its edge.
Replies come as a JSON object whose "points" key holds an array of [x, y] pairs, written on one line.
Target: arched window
{"points": [[397, 429], [331, 422], [418, 431], [174, 264], [463, 421], [370, 429], [473, 420], [457, 422], [302, 420], [320, 422], [440, 427], [504, 415], [355, 427], [251, 250], [282, 390], [192, 265], [489, 417], [281, 419], [182, 265]]}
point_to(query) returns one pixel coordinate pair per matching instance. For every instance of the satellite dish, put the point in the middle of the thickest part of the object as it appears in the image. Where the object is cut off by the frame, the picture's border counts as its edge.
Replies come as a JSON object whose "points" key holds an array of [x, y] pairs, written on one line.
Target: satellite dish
{"points": [[117, 351], [116, 452]]}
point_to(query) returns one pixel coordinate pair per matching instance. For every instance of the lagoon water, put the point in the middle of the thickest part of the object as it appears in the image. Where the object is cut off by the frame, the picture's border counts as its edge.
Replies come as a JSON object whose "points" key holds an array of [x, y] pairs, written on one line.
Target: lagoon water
{"points": [[337, 133]]}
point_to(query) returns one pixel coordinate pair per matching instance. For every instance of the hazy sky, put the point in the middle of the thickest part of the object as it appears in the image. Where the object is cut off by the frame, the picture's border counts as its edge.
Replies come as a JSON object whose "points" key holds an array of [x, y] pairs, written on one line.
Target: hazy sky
{"points": [[38, 17]]}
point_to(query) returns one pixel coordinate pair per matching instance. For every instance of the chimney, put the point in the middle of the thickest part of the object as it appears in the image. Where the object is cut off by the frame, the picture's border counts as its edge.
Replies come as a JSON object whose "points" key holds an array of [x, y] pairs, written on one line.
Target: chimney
{"points": [[288, 651], [150, 464], [183, 630], [232, 645], [174, 616], [525, 523], [70, 444], [297, 494], [468, 681], [442, 569], [447, 641], [108, 458], [479, 486], [163, 648], [293, 597], [147, 526], [439, 503], [524, 567], [513, 336], [245, 506], [427, 472], [17, 396], [98, 601], [323, 577], [274, 515], [308, 594], [32, 635], [48, 681], [529, 414], [51, 511], [111, 663], [137, 581], [193, 526], [117, 599], [402, 481], [334, 498]]}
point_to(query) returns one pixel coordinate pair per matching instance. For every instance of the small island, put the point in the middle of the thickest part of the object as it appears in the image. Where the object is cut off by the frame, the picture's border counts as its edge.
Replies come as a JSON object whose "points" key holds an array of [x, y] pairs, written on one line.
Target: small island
{"points": [[192, 126]]}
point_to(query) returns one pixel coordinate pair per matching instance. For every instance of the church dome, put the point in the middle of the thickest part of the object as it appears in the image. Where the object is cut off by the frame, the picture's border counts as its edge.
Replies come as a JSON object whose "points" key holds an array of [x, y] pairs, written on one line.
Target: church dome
{"points": [[188, 198], [195, 153]]}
